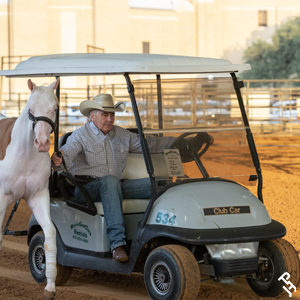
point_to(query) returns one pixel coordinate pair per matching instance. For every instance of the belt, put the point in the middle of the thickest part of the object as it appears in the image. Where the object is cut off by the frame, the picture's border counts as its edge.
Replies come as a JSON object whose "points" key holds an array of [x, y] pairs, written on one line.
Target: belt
{"points": [[84, 178]]}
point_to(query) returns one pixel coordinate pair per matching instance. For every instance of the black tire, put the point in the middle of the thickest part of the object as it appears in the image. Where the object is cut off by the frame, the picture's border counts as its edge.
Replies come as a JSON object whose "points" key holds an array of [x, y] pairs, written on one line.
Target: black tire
{"points": [[172, 272], [280, 257], [37, 262]]}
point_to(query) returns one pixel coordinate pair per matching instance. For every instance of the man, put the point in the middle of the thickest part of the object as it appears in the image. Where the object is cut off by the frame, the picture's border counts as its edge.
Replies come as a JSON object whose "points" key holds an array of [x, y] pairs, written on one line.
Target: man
{"points": [[99, 149]]}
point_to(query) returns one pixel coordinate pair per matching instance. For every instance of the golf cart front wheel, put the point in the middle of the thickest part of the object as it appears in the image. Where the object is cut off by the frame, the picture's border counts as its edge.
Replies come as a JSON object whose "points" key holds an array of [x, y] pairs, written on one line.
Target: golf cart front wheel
{"points": [[275, 258], [37, 262], [172, 272]]}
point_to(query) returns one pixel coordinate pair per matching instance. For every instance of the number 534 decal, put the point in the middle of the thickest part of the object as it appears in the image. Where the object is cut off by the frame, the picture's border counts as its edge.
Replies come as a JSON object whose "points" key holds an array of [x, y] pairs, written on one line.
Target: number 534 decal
{"points": [[165, 218]]}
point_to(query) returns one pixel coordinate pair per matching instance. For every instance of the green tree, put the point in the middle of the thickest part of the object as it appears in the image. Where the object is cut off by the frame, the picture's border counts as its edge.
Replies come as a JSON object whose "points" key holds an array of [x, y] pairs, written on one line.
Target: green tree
{"points": [[279, 59]]}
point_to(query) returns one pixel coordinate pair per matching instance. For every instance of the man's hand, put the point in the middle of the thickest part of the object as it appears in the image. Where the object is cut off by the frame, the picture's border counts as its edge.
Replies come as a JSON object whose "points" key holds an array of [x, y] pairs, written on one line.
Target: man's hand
{"points": [[56, 159], [211, 139]]}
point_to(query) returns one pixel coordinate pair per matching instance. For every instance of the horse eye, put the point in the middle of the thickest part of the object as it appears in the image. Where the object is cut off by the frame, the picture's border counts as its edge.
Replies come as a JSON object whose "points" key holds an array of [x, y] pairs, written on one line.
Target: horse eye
{"points": [[55, 109]]}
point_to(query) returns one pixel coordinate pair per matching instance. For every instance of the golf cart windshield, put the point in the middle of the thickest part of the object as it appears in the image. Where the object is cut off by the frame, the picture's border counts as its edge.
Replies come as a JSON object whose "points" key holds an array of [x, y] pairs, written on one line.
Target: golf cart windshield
{"points": [[195, 112]]}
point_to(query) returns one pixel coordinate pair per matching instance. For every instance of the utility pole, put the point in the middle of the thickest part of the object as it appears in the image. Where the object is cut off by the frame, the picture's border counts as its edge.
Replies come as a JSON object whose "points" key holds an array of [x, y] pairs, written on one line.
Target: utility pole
{"points": [[94, 33], [196, 27]]}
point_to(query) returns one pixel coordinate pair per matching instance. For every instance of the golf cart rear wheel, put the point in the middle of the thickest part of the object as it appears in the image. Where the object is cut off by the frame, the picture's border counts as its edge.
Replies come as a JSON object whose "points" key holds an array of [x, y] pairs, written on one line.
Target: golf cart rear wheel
{"points": [[37, 262], [172, 272], [276, 258]]}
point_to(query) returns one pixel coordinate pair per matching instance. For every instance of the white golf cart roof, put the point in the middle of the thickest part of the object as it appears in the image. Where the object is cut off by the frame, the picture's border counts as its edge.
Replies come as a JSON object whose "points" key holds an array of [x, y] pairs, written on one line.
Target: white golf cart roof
{"points": [[117, 63]]}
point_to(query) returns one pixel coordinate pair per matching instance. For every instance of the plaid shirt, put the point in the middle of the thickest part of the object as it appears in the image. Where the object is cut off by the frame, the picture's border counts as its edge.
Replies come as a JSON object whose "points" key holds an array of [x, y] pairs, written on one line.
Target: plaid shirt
{"points": [[89, 152]]}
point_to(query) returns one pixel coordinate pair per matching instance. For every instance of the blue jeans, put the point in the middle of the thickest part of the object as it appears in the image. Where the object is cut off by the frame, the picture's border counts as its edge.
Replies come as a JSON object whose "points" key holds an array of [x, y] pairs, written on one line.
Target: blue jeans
{"points": [[110, 191]]}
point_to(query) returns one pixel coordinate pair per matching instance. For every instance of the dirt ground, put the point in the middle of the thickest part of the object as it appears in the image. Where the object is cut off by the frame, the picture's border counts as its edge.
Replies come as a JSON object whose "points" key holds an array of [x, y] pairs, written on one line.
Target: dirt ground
{"points": [[280, 161]]}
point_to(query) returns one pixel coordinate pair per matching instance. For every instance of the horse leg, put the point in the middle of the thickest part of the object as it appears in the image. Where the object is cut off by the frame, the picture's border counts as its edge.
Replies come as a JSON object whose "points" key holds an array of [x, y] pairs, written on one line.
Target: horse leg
{"points": [[40, 206], [4, 203]]}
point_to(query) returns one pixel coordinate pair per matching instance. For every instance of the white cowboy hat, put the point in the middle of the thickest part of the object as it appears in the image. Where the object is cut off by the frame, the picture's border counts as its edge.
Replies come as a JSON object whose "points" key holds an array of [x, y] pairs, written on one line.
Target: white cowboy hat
{"points": [[103, 102]]}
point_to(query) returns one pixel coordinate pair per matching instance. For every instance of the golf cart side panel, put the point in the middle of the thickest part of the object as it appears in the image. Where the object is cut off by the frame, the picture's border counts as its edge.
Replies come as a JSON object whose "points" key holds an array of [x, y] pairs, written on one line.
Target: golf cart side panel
{"points": [[81, 258], [88, 232], [209, 205], [78, 229], [271, 231], [90, 260]]}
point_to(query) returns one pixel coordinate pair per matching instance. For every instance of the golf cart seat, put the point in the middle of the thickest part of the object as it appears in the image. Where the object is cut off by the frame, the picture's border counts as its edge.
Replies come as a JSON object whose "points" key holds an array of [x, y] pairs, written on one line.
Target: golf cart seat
{"points": [[135, 169]]}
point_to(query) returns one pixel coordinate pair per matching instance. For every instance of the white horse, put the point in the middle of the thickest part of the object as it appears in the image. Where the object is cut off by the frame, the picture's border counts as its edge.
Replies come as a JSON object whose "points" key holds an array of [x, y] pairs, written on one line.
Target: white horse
{"points": [[26, 167]]}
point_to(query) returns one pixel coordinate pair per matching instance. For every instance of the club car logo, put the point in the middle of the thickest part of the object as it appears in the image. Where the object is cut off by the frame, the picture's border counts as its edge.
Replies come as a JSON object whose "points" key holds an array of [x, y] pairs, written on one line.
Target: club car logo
{"points": [[227, 210], [80, 235]]}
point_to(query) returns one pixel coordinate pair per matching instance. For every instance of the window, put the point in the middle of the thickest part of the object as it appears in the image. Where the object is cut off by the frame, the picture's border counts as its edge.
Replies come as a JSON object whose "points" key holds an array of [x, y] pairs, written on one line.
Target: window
{"points": [[146, 47], [262, 18]]}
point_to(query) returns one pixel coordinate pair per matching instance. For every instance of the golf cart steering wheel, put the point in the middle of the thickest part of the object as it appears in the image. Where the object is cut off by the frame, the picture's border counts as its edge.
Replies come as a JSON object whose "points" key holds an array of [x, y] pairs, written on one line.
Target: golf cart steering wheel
{"points": [[189, 148]]}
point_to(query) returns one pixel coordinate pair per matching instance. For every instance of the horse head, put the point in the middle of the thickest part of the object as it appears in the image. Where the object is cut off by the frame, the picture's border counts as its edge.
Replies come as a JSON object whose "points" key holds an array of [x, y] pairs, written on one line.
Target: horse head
{"points": [[42, 106]]}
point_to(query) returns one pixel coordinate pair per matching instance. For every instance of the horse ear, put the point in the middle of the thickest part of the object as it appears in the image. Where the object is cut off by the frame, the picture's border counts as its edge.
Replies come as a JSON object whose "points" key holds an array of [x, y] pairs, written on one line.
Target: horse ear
{"points": [[54, 84], [31, 85]]}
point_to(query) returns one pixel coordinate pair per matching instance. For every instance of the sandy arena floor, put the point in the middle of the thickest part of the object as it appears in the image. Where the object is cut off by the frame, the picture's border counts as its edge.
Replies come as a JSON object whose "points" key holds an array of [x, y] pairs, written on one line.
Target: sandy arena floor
{"points": [[280, 161]]}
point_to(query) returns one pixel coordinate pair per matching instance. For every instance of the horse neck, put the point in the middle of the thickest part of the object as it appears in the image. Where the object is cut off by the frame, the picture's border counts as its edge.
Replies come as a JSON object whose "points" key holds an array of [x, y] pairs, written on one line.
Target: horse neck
{"points": [[22, 137]]}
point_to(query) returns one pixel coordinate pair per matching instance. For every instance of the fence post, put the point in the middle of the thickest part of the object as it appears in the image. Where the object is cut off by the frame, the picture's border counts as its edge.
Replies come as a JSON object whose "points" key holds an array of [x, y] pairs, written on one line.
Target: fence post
{"points": [[19, 103], [113, 90], [66, 109], [291, 109]]}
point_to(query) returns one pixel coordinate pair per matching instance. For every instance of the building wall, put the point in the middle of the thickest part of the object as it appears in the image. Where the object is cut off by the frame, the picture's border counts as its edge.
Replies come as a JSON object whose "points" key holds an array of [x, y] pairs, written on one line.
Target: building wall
{"points": [[170, 30], [209, 28], [227, 27]]}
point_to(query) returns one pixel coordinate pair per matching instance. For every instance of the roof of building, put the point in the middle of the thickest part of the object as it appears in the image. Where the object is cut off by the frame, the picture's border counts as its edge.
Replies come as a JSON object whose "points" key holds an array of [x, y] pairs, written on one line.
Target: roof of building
{"points": [[117, 63]]}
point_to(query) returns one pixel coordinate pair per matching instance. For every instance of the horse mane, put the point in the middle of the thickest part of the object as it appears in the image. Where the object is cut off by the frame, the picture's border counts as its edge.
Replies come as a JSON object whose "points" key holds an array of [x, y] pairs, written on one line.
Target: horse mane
{"points": [[49, 92]]}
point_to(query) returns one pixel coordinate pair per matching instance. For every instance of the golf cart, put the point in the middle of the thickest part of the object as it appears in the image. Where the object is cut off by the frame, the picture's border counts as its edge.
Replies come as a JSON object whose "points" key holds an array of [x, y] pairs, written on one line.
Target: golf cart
{"points": [[203, 217]]}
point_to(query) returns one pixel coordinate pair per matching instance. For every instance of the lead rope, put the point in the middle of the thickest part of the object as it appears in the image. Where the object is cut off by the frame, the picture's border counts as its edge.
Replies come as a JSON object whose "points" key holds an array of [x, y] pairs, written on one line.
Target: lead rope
{"points": [[59, 154]]}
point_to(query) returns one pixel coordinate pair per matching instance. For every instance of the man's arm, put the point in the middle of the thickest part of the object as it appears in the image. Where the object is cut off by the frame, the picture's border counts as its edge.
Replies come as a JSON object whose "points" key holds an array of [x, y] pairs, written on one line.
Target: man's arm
{"points": [[158, 144], [56, 160], [155, 144], [69, 152]]}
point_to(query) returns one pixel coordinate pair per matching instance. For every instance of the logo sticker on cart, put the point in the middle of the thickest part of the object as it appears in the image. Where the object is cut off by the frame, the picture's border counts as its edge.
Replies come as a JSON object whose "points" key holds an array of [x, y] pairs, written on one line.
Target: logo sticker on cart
{"points": [[166, 218], [81, 232], [226, 210], [174, 163]]}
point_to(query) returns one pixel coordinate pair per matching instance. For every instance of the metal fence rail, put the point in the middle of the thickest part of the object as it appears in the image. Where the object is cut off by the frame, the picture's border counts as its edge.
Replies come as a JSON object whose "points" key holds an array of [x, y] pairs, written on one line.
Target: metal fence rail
{"points": [[273, 107]]}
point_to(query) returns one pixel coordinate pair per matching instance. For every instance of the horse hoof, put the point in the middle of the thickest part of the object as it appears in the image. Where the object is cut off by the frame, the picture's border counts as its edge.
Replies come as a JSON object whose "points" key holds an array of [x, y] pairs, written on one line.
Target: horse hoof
{"points": [[49, 295]]}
